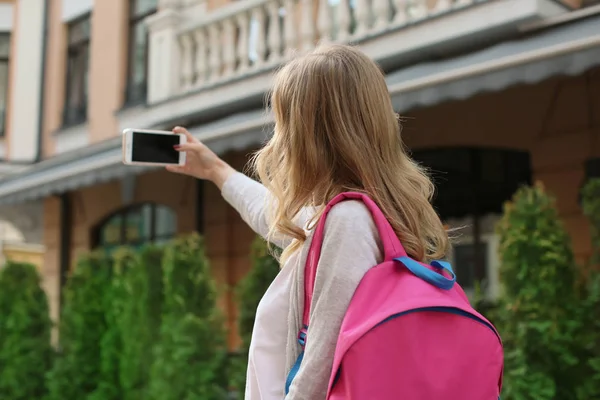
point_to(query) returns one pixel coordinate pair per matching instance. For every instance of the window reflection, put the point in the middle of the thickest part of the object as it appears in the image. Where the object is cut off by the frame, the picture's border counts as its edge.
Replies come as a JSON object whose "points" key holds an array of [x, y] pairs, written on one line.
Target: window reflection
{"points": [[137, 225]]}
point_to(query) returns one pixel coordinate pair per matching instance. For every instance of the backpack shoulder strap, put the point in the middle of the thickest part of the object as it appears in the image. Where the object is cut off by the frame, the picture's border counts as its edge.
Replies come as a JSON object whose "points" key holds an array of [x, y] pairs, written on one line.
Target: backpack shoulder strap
{"points": [[392, 247]]}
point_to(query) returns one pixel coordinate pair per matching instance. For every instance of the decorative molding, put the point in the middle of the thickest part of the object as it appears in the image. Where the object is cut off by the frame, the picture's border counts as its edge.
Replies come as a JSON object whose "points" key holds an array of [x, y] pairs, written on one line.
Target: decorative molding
{"points": [[28, 218], [163, 19], [168, 4]]}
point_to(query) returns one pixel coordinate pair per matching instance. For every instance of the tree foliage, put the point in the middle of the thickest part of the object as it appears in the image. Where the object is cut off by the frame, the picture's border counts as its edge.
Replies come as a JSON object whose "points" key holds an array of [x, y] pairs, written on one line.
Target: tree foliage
{"points": [[589, 310], [115, 301], [140, 322], [190, 359], [83, 324], [25, 351], [537, 318]]}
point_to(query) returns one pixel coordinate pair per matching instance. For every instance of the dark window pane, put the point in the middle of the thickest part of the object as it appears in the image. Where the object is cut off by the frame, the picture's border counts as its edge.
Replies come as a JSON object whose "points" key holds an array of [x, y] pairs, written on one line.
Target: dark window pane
{"points": [[166, 222], [4, 45], [146, 221], [3, 90], [78, 77], [138, 62], [138, 224], [77, 73], [137, 55], [142, 7], [4, 53], [464, 263], [110, 232], [77, 86], [138, 49]]}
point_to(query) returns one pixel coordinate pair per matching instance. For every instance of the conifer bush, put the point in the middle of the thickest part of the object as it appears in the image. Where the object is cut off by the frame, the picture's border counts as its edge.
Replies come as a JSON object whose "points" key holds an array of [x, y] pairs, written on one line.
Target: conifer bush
{"points": [[190, 358], [115, 300], [140, 317], [78, 366], [537, 316], [590, 308], [25, 351]]}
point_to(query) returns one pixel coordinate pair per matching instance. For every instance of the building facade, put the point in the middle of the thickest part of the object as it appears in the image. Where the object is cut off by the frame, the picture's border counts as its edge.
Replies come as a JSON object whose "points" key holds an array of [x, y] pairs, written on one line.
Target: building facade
{"points": [[494, 93]]}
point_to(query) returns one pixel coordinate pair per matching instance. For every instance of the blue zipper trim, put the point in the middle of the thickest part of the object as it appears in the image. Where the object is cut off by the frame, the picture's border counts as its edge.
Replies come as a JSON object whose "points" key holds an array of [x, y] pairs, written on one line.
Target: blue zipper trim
{"points": [[449, 310]]}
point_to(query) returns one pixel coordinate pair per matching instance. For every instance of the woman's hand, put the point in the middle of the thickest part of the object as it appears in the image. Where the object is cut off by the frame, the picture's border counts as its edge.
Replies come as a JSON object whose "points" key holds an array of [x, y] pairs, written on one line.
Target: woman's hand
{"points": [[200, 161]]}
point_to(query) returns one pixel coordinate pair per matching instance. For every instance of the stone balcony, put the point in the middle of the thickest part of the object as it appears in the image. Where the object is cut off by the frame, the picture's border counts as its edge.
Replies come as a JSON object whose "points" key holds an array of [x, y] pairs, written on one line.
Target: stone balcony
{"points": [[204, 61]]}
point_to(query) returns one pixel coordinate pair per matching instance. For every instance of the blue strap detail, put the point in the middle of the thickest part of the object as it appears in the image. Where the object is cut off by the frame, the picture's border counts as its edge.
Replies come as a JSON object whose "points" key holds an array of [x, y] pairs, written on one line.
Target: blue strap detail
{"points": [[436, 279], [293, 372], [302, 340], [302, 336]]}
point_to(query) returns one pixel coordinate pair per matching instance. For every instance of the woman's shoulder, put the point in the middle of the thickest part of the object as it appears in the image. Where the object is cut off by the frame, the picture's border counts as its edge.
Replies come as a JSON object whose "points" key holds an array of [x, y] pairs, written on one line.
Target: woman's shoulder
{"points": [[351, 215], [350, 230]]}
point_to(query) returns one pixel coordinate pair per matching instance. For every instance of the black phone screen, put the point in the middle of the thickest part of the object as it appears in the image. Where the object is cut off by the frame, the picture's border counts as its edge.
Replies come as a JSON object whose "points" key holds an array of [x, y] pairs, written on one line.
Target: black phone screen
{"points": [[154, 148]]}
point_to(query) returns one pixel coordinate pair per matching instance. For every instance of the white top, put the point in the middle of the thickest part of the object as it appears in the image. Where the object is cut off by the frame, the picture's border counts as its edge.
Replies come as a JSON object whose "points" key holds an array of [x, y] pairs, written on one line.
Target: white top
{"points": [[351, 246], [267, 363], [267, 366]]}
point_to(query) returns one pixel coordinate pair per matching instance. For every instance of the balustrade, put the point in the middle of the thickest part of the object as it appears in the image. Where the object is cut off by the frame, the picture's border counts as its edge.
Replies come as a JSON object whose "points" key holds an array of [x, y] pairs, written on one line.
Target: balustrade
{"points": [[255, 35]]}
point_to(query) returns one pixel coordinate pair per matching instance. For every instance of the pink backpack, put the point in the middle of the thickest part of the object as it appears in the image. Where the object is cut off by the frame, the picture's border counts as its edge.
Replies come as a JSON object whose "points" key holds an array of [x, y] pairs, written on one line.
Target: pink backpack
{"points": [[409, 332]]}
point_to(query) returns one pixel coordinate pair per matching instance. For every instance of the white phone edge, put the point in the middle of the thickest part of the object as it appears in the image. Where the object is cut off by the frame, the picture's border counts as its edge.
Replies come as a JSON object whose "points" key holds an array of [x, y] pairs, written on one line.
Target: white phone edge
{"points": [[127, 145]]}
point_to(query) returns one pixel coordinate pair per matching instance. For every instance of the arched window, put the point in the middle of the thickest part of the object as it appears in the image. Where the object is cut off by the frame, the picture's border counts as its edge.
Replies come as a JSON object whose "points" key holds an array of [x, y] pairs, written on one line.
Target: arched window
{"points": [[472, 185], [136, 225]]}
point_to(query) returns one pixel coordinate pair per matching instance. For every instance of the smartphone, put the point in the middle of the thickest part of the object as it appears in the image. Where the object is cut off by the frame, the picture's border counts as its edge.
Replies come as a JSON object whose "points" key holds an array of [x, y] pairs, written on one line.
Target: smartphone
{"points": [[146, 147]]}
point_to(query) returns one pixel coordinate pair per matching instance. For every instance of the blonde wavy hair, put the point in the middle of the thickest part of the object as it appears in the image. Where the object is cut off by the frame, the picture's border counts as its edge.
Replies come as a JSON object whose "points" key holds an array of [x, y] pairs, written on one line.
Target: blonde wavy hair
{"points": [[336, 131]]}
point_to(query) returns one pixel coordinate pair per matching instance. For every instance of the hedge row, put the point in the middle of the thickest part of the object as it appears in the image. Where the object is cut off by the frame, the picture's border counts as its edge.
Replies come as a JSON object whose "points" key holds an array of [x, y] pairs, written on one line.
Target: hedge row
{"points": [[151, 322], [144, 325]]}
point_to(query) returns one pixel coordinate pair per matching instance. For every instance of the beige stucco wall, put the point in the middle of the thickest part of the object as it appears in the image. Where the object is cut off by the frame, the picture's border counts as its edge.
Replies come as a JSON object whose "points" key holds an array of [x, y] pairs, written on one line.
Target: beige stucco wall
{"points": [[107, 74], [108, 63], [56, 57], [31, 254]]}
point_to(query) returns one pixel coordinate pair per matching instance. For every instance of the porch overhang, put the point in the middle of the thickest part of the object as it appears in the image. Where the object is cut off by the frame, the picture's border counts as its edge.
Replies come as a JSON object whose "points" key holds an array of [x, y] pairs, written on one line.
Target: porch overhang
{"points": [[566, 50], [103, 162]]}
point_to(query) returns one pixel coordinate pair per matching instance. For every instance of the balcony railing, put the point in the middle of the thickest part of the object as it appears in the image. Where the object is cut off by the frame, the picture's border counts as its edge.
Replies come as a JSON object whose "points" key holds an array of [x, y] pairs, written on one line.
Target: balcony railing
{"points": [[261, 33], [254, 35]]}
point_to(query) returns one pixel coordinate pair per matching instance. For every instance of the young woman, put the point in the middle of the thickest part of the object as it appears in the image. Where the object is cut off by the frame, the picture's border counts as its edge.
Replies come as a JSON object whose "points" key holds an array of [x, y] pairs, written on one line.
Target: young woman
{"points": [[335, 131]]}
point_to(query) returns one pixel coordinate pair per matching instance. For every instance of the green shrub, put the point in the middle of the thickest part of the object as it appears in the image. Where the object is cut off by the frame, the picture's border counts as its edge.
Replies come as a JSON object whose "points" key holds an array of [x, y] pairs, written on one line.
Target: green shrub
{"points": [[115, 300], [537, 318], [77, 370], [25, 351], [590, 307], [249, 292], [190, 358], [591, 208], [140, 317]]}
